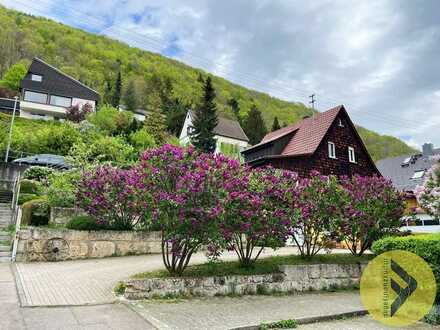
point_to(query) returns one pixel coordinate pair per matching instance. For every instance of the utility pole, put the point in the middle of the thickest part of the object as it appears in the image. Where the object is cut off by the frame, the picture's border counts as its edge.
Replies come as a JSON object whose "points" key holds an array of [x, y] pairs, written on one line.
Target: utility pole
{"points": [[10, 129], [312, 101]]}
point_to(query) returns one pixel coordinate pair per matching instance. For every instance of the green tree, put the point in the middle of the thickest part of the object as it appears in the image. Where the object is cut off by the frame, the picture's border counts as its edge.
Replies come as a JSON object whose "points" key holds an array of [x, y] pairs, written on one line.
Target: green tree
{"points": [[275, 124], [176, 117], [235, 107], [116, 96], [14, 76], [202, 136], [254, 126], [130, 97], [155, 123]]}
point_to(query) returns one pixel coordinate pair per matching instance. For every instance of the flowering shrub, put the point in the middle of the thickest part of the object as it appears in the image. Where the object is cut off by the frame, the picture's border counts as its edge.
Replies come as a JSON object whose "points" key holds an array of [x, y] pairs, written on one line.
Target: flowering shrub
{"points": [[184, 189], [318, 202], [428, 195], [106, 193], [76, 114], [257, 212], [373, 209]]}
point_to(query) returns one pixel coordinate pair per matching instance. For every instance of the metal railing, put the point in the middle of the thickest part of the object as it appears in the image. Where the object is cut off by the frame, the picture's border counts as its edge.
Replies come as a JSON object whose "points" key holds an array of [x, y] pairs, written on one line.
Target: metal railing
{"points": [[16, 215]]}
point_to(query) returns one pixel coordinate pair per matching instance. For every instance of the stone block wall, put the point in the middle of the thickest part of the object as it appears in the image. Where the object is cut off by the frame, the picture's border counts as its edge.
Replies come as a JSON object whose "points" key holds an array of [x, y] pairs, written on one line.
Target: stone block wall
{"points": [[290, 278], [44, 244]]}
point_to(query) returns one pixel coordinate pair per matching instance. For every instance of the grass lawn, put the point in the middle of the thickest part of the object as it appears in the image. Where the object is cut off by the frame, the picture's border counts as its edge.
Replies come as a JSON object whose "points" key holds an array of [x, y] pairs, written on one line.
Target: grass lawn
{"points": [[262, 266]]}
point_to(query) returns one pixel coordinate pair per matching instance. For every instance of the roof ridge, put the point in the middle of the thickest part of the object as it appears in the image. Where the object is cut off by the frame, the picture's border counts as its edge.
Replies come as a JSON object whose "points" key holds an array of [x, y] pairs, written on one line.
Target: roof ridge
{"points": [[65, 74]]}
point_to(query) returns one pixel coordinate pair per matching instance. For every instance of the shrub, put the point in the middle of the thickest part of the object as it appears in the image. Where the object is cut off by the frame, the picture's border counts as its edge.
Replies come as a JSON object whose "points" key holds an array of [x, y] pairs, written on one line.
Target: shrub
{"points": [[373, 209], [38, 173], [183, 190], [142, 140], [62, 189], [425, 246], [23, 198], [106, 193], [428, 195], [30, 187], [318, 200], [111, 121], [35, 213], [77, 114], [84, 222], [257, 211]]}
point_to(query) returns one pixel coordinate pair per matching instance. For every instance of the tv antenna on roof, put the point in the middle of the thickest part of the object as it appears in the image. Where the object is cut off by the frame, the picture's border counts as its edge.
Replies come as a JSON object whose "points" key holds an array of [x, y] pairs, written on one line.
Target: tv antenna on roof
{"points": [[312, 101]]}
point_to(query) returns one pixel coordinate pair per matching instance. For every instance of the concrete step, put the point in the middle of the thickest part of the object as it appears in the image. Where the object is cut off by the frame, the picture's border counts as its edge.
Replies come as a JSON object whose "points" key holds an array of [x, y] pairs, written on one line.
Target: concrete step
{"points": [[5, 259], [5, 248], [5, 254]]}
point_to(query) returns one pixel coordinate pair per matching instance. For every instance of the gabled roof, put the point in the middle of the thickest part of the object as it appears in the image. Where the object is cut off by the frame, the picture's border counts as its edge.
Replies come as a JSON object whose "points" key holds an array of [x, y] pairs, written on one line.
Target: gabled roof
{"points": [[306, 134], [56, 82], [228, 128], [401, 174]]}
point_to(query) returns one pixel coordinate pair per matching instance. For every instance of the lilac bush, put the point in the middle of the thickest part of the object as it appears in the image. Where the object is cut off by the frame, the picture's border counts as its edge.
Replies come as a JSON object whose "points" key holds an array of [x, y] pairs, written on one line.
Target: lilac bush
{"points": [[185, 190], [318, 202], [257, 212], [107, 194], [373, 209], [428, 195], [77, 114]]}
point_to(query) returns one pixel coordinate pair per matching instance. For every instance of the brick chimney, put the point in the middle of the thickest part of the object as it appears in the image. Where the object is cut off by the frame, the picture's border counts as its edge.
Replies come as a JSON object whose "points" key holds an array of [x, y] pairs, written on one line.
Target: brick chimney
{"points": [[428, 149]]}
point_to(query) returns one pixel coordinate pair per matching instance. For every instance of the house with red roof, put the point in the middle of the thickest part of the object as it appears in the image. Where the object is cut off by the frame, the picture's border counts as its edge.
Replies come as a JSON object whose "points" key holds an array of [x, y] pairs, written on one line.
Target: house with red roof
{"points": [[327, 142]]}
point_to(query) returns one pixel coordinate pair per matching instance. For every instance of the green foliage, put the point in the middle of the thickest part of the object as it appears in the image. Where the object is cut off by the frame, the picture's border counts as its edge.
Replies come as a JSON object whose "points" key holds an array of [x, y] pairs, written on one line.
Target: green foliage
{"points": [[275, 124], [62, 189], [14, 76], [254, 126], [84, 222], [35, 213], [202, 135], [142, 140], [116, 96], [111, 121], [155, 123], [425, 246], [230, 150], [120, 288], [90, 57], [38, 173], [130, 97], [235, 107], [283, 324], [23, 198], [175, 117], [30, 187]]}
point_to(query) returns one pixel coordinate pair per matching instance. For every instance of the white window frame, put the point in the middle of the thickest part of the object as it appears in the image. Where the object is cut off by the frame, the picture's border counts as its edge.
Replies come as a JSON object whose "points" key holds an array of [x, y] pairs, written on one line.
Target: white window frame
{"points": [[27, 93], [351, 155], [52, 101], [331, 150], [36, 77]]}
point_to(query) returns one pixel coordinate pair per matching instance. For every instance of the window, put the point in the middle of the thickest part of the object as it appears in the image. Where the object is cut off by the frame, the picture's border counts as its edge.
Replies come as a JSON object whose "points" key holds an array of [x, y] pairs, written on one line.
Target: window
{"points": [[189, 130], [351, 155], [60, 101], [35, 97], [340, 123], [418, 174], [331, 150], [36, 77]]}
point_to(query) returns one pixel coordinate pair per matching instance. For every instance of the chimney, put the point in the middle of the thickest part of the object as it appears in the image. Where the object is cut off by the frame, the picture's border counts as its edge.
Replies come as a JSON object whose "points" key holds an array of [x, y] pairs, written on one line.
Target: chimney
{"points": [[428, 149]]}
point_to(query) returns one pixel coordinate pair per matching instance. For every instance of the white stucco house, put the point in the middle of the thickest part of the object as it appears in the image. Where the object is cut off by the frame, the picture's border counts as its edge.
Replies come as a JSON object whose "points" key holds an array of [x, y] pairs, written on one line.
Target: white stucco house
{"points": [[46, 92], [228, 133]]}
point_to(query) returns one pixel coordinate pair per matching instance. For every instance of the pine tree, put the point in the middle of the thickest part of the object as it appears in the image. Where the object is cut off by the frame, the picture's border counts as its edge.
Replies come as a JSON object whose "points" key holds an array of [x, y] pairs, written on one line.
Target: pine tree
{"points": [[116, 96], [155, 122], [254, 126], [233, 103], [275, 124], [176, 117], [130, 97], [107, 99], [202, 136]]}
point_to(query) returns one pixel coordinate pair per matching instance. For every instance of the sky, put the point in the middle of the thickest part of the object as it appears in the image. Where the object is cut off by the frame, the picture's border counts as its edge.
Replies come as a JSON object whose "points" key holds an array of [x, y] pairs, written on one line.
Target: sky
{"points": [[380, 58]]}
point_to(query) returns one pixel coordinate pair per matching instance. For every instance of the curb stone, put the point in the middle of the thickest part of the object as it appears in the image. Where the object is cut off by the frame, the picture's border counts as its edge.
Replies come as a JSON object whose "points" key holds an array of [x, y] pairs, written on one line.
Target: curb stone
{"points": [[315, 319]]}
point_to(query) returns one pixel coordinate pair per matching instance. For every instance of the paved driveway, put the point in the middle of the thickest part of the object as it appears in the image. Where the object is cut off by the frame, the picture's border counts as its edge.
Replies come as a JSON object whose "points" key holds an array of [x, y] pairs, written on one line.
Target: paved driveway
{"points": [[88, 282]]}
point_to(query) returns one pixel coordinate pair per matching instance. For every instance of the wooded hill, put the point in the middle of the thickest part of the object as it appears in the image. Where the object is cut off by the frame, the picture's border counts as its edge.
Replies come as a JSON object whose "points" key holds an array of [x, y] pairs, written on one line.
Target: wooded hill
{"points": [[95, 60]]}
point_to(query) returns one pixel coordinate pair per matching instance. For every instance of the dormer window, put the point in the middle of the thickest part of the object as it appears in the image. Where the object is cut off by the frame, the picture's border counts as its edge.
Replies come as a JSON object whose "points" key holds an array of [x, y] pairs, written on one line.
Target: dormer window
{"points": [[331, 150], [351, 155], [36, 77]]}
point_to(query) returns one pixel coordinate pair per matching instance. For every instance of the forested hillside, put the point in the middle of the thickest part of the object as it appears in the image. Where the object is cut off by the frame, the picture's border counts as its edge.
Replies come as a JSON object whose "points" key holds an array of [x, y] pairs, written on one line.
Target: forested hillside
{"points": [[95, 60]]}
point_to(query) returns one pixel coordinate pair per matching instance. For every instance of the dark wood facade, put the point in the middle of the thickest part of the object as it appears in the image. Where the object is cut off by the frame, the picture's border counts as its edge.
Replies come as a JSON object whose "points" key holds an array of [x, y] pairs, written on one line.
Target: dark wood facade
{"points": [[341, 132]]}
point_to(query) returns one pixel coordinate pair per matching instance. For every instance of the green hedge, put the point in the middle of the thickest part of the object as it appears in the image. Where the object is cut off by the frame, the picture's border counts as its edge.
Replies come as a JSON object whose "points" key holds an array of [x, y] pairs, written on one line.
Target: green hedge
{"points": [[23, 198], [425, 246], [30, 187], [84, 222], [35, 213]]}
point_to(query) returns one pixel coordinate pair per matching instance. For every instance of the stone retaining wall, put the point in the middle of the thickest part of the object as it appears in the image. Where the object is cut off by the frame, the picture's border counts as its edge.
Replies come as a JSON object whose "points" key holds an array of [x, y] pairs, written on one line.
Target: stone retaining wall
{"points": [[291, 278], [44, 244]]}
